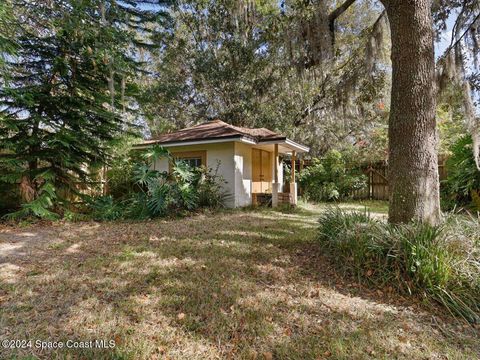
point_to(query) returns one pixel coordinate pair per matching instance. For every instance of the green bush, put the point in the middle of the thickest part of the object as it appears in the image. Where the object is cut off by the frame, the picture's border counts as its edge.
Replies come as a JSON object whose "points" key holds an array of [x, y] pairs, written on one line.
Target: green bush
{"points": [[105, 208], [10, 199], [120, 169], [330, 178], [437, 263], [42, 205], [462, 185], [157, 194], [210, 188]]}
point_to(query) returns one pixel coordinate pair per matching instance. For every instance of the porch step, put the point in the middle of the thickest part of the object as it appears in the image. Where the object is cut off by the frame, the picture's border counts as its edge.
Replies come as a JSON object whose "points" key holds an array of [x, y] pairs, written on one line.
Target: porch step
{"points": [[266, 198]]}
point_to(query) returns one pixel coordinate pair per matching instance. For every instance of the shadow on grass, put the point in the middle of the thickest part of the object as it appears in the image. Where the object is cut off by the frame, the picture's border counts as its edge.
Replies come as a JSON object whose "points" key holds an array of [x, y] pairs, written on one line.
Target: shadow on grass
{"points": [[229, 285]]}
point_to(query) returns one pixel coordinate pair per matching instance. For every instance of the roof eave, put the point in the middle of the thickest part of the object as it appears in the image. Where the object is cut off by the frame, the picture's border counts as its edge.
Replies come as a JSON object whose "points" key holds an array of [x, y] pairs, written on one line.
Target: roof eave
{"points": [[294, 146], [299, 148], [212, 140]]}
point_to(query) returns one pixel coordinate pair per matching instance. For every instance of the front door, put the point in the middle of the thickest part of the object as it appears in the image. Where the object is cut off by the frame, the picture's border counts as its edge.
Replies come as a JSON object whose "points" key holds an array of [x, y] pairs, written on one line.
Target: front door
{"points": [[261, 171]]}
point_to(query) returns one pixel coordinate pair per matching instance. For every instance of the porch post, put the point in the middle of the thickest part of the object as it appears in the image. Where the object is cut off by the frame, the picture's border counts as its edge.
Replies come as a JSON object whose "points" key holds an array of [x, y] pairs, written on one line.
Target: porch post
{"points": [[300, 190], [275, 177], [294, 158], [293, 184]]}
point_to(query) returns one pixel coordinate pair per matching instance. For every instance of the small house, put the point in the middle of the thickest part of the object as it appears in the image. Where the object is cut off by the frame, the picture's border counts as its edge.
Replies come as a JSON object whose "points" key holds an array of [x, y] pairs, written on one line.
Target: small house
{"points": [[249, 159]]}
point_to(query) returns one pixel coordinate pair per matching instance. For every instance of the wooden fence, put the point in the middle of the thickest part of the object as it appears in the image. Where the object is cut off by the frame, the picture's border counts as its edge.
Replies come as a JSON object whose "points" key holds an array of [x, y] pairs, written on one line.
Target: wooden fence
{"points": [[377, 179], [377, 183]]}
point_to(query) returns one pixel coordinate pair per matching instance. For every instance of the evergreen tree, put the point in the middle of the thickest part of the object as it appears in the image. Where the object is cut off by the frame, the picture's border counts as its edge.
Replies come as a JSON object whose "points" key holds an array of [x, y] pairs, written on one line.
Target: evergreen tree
{"points": [[71, 93], [7, 43]]}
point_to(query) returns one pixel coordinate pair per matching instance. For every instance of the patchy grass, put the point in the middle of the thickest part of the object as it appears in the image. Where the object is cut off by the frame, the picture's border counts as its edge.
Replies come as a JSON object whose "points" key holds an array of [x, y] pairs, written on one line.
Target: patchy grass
{"points": [[376, 207], [238, 284], [373, 206]]}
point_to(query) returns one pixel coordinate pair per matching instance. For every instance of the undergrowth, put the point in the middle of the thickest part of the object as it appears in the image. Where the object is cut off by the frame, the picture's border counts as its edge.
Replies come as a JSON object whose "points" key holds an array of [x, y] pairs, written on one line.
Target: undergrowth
{"points": [[438, 263]]}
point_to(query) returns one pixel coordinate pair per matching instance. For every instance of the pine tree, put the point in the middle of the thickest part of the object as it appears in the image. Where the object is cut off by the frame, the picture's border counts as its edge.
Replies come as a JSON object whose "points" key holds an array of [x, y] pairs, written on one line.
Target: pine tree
{"points": [[7, 43], [70, 94]]}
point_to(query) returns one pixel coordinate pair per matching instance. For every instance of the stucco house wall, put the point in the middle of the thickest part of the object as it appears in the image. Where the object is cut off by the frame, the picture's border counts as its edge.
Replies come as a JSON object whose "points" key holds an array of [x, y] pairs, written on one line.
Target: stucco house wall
{"points": [[243, 174]]}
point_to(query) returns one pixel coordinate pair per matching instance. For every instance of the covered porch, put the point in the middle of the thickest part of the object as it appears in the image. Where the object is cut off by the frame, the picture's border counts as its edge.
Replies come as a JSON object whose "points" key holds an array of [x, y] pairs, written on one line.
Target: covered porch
{"points": [[268, 185]]}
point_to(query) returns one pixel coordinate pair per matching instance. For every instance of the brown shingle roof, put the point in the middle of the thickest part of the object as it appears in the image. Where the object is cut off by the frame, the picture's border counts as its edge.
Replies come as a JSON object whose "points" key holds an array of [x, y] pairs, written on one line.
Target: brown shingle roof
{"points": [[216, 129]]}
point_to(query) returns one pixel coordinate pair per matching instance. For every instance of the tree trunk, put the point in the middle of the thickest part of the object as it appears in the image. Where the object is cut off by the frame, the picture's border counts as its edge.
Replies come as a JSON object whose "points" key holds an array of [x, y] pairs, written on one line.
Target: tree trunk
{"points": [[413, 162], [28, 186]]}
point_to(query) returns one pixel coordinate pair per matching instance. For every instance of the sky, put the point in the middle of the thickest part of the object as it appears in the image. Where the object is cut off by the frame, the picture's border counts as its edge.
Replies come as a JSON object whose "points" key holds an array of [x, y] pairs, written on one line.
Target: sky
{"points": [[443, 44]]}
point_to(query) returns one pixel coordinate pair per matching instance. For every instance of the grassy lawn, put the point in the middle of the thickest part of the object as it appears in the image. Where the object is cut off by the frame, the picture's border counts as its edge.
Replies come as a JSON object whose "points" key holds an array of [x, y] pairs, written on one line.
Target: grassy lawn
{"points": [[237, 284], [376, 207]]}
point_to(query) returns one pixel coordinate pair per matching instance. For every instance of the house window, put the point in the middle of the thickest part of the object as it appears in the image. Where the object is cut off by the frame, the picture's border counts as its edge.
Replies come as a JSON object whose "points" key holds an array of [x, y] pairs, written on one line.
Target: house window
{"points": [[192, 158], [192, 162]]}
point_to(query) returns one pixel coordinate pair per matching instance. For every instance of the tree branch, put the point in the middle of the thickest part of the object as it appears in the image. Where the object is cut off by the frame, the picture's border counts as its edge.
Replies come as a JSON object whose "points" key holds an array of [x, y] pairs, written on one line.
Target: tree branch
{"points": [[453, 44], [377, 22], [457, 24], [340, 10], [335, 14], [315, 101]]}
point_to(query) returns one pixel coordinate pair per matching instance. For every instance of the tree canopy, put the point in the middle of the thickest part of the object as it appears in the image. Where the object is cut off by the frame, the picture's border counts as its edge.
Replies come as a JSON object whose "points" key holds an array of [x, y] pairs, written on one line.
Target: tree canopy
{"points": [[82, 73], [251, 63]]}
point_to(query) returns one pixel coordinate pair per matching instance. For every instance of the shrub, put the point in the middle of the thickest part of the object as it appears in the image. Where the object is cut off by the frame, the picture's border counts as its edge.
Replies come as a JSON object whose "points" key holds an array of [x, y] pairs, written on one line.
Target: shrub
{"points": [[10, 197], [210, 188], [184, 189], [463, 182], [331, 178], [437, 263], [42, 204], [120, 169], [104, 208]]}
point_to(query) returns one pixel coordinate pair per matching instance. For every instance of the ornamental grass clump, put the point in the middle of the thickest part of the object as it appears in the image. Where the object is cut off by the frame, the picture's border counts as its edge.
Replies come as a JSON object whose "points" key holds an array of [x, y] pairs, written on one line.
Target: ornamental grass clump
{"points": [[437, 263]]}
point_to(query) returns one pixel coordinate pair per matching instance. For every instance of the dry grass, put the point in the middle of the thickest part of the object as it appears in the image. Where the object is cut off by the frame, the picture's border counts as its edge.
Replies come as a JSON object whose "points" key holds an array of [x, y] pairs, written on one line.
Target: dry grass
{"points": [[239, 284]]}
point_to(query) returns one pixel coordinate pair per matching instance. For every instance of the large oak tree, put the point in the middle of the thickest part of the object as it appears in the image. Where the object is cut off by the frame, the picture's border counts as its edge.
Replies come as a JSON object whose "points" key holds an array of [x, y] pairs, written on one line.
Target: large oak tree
{"points": [[413, 161], [413, 168]]}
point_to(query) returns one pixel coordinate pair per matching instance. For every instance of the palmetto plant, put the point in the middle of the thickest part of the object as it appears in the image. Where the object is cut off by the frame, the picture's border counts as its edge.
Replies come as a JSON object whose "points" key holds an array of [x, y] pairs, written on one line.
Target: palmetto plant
{"points": [[157, 193], [183, 189], [166, 192], [156, 152], [158, 198], [143, 175]]}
